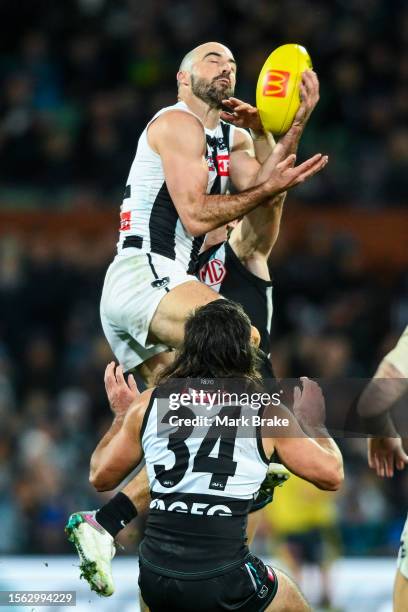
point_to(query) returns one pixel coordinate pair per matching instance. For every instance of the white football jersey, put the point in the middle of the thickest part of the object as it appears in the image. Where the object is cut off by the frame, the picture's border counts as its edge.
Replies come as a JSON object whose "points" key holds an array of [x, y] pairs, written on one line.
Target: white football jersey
{"points": [[148, 214]]}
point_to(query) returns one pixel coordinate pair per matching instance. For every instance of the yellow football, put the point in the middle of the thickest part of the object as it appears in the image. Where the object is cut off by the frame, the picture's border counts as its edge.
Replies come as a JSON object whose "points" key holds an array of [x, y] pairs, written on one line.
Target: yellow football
{"points": [[277, 91]]}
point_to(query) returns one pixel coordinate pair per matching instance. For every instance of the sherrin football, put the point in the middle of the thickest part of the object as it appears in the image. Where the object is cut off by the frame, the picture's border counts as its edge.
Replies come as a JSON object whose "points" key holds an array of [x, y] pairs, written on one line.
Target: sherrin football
{"points": [[277, 91]]}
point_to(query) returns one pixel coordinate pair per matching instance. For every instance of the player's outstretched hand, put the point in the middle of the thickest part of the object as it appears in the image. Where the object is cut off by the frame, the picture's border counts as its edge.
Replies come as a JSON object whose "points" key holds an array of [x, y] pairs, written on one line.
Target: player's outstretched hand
{"points": [[308, 404], [242, 114], [309, 93], [121, 394], [286, 175], [384, 454]]}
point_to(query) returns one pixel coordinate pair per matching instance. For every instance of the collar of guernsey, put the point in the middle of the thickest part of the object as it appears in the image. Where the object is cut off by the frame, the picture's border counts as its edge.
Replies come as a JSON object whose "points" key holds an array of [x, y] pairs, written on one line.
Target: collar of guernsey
{"points": [[148, 211]]}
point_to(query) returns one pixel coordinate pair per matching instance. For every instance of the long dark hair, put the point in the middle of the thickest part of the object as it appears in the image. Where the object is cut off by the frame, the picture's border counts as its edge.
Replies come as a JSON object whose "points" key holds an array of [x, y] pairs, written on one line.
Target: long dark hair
{"points": [[217, 344]]}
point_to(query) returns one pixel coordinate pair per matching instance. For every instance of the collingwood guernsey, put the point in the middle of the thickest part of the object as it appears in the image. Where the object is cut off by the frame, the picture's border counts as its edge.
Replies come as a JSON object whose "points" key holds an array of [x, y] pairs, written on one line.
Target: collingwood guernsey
{"points": [[148, 215]]}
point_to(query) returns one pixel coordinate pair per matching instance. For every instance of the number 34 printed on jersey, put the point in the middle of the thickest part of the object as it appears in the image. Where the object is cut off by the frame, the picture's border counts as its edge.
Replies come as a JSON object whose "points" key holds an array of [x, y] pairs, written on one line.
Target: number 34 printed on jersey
{"points": [[221, 467]]}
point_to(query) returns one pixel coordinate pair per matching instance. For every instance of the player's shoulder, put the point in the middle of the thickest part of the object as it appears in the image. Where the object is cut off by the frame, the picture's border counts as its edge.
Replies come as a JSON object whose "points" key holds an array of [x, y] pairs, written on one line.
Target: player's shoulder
{"points": [[177, 116], [176, 128]]}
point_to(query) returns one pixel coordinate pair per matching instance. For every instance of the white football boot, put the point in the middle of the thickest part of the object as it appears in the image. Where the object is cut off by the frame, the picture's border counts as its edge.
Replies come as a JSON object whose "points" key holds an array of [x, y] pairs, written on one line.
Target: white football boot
{"points": [[96, 549]]}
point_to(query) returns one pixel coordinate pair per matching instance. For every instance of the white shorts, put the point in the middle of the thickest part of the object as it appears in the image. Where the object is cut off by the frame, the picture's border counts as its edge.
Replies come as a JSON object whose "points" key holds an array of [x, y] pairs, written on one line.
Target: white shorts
{"points": [[134, 285], [403, 552]]}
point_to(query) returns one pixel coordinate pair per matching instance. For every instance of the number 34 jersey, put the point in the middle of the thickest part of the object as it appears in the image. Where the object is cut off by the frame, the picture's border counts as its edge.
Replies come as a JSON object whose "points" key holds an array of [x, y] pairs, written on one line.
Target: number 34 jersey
{"points": [[203, 473]]}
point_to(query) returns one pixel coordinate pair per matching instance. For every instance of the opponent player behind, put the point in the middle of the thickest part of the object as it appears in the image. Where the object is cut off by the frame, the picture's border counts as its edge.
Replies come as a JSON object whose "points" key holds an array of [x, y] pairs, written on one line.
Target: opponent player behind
{"points": [[237, 269], [182, 564], [385, 449]]}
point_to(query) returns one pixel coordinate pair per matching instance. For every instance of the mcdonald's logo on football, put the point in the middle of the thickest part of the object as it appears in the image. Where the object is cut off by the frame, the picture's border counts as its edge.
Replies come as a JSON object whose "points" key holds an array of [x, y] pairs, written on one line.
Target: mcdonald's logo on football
{"points": [[276, 83]]}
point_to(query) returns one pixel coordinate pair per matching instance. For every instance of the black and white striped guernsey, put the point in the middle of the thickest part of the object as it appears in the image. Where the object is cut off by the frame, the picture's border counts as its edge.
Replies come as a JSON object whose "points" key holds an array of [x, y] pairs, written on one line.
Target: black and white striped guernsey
{"points": [[148, 212]]}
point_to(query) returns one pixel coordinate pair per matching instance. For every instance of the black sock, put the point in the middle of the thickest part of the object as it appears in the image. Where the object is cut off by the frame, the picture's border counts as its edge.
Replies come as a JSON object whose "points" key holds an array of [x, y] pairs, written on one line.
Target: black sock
{"points": [[116, 514]]}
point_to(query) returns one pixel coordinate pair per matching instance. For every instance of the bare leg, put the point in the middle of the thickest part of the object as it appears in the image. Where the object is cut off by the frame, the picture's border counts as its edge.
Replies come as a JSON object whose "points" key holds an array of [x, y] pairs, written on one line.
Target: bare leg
{"points": [[167, 324], [288, 597], [400, 593]]}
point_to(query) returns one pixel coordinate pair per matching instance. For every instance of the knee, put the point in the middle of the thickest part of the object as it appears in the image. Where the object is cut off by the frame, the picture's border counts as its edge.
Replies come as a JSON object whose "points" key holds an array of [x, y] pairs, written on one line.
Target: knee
{"points": [[288, 597]]}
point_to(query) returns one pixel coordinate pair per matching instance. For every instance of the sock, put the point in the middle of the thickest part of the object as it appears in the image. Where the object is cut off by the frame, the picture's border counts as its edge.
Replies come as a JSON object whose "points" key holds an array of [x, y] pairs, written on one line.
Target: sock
{"points": [[116, 514]]}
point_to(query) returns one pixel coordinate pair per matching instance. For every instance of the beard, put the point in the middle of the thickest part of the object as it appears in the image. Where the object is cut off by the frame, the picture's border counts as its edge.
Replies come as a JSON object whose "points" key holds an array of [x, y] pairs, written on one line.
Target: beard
{"points": [[211, 92]]}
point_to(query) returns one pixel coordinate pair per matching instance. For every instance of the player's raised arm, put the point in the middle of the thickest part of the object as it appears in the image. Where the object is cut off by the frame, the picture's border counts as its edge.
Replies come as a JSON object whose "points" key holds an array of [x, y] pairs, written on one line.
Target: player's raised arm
{"points": [[254, 238], [306, 447], [178, 138], [389, 384], [120, 450]]}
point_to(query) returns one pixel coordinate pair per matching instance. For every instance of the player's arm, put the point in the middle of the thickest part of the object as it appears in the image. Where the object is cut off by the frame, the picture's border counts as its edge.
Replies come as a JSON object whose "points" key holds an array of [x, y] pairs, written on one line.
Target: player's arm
{"points": [[253, 239], [120, 450], [179, 140], [389, 384], [255, 236], [305, 446]]}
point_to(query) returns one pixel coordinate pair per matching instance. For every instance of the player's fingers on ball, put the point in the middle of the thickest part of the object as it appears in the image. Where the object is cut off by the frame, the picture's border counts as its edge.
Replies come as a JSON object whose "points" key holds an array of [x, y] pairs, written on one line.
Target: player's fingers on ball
{"points": [[308, 80], [303, 92]]}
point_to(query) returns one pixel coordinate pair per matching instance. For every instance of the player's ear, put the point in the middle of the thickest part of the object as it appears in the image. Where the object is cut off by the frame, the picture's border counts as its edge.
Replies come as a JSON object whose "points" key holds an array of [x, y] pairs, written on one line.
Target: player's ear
{"points": [[183, 77]]}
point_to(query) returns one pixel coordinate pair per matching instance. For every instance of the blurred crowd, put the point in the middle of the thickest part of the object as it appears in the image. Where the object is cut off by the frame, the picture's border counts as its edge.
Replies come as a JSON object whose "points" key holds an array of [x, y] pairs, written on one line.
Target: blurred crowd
{"points": [[80, 78], [332, 318]]}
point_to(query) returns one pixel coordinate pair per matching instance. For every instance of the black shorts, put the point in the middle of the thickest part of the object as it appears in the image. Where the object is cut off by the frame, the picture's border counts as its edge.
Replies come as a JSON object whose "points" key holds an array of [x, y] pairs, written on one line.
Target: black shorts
{"points": [[250, 587]]}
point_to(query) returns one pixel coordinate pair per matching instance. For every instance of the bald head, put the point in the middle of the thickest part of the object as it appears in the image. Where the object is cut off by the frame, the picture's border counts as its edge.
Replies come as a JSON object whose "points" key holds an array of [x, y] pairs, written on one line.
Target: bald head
{"points": [[198, 53], [208, 73]]}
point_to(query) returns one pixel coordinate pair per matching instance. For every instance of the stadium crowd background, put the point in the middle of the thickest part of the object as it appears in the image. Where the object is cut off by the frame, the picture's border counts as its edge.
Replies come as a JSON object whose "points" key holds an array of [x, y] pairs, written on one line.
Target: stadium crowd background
{"points": [[79, 80]]}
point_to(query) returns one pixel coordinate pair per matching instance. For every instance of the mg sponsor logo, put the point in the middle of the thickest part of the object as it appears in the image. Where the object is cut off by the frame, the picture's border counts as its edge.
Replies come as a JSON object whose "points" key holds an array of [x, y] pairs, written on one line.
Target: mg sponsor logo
{"points": [[213, 272], [276, 83], [191, 508]]}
